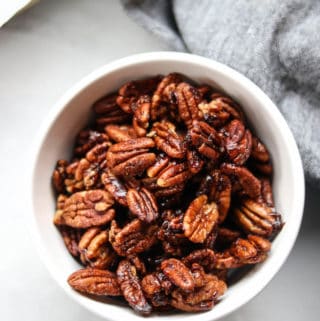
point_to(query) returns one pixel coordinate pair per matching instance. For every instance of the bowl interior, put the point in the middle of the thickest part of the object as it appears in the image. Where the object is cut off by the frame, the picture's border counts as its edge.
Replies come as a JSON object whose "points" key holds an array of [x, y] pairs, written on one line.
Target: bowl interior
{"points": [[72, 113]]}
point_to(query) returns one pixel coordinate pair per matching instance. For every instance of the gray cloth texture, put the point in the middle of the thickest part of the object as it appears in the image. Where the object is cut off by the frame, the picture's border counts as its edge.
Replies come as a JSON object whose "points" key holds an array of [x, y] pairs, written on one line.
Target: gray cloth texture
{"points": [[274, 43]]}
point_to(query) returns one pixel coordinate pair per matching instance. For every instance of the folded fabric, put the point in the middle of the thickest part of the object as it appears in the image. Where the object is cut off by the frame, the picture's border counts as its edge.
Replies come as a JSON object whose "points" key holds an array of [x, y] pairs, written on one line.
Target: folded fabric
{"points": [[274, 43]]}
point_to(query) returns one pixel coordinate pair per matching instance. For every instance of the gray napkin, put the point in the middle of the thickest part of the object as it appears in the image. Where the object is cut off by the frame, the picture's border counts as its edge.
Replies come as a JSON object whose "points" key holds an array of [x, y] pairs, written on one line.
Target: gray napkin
{"points": [[274, 43]]}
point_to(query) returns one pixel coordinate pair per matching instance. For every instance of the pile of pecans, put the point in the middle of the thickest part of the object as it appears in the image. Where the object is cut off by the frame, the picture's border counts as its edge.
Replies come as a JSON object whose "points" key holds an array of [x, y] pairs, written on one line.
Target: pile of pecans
{"points": [[166, 192]]}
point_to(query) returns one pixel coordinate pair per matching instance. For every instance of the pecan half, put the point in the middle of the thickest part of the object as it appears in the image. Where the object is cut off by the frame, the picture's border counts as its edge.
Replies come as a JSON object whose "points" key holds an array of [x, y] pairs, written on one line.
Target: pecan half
{"points": [[188, 98], [134, 238], [131, 157], [218, 188], [142, 204], [237, 142], [220, 110], [71, 238], [151, 184], [247, 182], [87, 139], [199, 219], [161, 162], [108, 112], [59, 175], [260, 157], [204, 257], [94, 281], [174, 174], [141, 109], [178, 274], [131, 287], [194, 160], [266, 191], [205, 139], [95, 250], [257, 218], [89, 208], [120, 133], [167, 140]]}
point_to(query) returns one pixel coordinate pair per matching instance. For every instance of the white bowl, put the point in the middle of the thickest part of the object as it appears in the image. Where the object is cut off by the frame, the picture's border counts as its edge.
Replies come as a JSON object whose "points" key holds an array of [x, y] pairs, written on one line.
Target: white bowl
{"points": [[71, 113]]}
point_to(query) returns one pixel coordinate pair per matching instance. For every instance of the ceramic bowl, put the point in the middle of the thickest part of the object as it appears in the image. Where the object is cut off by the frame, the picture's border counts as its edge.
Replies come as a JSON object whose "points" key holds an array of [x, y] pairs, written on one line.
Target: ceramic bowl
{"points": [[72, 112]]}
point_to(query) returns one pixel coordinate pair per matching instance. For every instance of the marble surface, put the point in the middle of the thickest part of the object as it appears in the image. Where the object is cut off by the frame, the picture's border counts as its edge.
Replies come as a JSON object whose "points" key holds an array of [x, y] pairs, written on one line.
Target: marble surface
{"points": [[43, 52]]}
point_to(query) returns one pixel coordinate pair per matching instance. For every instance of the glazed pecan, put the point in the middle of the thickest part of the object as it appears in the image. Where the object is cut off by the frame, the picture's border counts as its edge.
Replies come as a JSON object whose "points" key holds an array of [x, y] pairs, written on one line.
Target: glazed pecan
{"points": [[167, 140], [59, 175], [266, 191], [94, 281], [248, 184], [257, 218], [139, 265], [202, 299], [237, 142], [151, 184], [130, 92], [141, 109], [178, 274], [167, 85], [205, 139], [226, 236], [173, 174], [188, 98], [131, 157], [204, 257], [131, 287], [260, 157], [94, 249], [120, 133], [87, 139], [89, 208], [73, 185], [133, 239], [61, 200], [142, 204], [218, 188], [199, 219], [194, 160], [107, 111], [161, 162], [220, 110], [71, 238]]}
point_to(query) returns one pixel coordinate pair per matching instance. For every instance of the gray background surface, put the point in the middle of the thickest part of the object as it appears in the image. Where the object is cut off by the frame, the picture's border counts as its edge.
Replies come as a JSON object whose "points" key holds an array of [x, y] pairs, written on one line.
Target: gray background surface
{"points": [[43, 52]]}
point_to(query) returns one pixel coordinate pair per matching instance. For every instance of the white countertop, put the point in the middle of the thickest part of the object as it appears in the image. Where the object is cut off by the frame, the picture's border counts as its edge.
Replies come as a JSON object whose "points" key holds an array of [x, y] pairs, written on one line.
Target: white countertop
{"points": [[43, 52]]}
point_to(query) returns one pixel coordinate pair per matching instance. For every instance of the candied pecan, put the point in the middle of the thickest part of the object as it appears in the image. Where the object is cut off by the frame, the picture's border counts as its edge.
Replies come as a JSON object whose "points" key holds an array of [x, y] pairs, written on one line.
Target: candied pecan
{"points": [[58, 219], [151, 184], [194, 160], [167, 140], [131, 157], [266, 191], [161, 162], [199, 219], [204, 257], [141, 109], [88, 208], [115, 187], [130, 92], [248, 183], [173, 174], [134, 238], [73, 185], [120, 133], [188, 98], [220, 110], [94, 281], [71, 238], [257, 218], [158, 96], [237, 142], [139, 264], [205, 139], [142, 204], [108, 112], [226, 236], [87, 139], [202, 299], [95, 250], [178, 274], [260, 157], [131, 287], [59, 175], [218, 188]]}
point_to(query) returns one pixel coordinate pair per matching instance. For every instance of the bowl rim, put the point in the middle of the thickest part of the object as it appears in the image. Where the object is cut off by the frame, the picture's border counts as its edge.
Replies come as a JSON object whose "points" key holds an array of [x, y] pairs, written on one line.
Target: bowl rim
{"points": [[159, 56]]}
